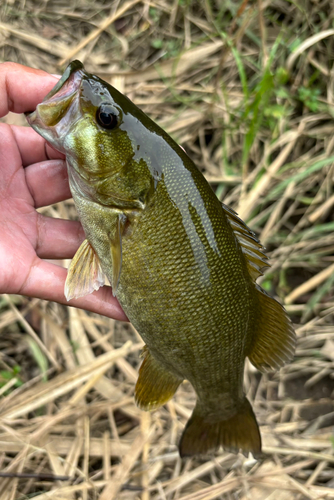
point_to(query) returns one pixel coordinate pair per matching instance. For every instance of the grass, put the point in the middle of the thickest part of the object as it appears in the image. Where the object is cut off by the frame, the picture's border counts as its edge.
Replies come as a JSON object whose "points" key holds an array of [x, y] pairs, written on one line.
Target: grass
{"points": [[247, 89]]}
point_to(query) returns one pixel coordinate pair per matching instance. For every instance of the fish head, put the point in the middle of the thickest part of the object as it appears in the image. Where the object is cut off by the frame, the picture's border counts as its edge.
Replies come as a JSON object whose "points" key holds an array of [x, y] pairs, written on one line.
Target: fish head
{"points": [[105, 137]]}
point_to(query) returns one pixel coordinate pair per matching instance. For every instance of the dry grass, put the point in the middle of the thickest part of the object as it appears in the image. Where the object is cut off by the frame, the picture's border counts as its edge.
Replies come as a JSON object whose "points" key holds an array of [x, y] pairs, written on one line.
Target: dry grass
{"points": [[248, 89]]}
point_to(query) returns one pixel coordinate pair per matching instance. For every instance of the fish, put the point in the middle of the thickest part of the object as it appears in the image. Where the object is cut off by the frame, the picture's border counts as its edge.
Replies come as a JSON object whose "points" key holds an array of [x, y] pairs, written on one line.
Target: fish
{"points": [[182, 265]]}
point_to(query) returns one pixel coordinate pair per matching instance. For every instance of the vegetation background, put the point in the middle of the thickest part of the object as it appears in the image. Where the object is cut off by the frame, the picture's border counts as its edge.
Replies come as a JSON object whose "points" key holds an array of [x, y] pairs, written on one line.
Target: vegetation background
{"points": [[247, 87]]}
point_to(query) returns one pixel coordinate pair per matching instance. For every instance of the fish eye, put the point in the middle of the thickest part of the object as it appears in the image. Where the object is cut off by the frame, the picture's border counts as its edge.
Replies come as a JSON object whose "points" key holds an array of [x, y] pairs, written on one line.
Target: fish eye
{"points": [[106, 116]]}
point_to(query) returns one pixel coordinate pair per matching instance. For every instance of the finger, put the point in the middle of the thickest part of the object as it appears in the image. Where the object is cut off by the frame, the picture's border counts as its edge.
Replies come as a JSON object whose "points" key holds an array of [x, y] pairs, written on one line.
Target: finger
{"points": [[10, 154], [33, 148], [58, 238], [22, 88], [11, 163], [48, 182], [10, 158], [46, 281]]}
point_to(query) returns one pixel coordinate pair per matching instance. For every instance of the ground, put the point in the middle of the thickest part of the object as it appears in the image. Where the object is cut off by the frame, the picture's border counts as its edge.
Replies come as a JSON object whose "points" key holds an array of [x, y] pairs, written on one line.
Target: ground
{"points": [[247, 88]]}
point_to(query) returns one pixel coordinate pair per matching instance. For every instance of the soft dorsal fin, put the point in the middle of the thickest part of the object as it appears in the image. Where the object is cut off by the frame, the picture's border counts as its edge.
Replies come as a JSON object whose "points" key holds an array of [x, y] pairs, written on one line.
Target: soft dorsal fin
{"points": [[250, 245], [274, 342]]}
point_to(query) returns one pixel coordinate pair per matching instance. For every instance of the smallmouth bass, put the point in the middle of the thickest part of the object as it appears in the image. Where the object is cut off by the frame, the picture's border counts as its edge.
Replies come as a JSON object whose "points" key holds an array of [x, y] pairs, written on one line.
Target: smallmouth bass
{"points": [[182, 264]]}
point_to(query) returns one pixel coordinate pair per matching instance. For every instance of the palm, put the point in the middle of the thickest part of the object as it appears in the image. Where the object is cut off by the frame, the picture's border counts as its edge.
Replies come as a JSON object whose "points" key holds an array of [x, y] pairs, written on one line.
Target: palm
{"points": [[32, 176], [21, 226], [17, 212]]}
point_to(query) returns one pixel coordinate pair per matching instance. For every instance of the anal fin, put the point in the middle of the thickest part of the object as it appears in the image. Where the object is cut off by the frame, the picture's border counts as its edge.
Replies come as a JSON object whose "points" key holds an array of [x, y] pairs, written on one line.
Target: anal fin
{"points": [[275, 339], [155, 385], [84, 274]]}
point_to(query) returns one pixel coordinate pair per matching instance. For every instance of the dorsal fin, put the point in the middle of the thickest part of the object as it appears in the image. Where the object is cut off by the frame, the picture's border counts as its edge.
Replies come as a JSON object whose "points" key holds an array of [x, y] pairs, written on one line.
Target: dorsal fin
{"points": [[250, 245]]}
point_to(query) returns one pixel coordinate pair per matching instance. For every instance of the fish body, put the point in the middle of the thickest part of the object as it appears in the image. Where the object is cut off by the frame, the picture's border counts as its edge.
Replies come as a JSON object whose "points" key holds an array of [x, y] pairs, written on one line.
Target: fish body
{"points": [[182, 265]]}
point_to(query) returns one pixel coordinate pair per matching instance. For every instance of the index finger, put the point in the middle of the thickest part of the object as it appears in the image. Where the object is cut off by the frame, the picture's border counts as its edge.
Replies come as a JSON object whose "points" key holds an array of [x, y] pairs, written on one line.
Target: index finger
{"points": [[22, 88]]}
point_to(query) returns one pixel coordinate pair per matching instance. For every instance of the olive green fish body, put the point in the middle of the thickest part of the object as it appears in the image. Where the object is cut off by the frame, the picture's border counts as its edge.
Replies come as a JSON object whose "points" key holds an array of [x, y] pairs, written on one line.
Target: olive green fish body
{"points": [[182, 285], [183, 297], [182, 265]]}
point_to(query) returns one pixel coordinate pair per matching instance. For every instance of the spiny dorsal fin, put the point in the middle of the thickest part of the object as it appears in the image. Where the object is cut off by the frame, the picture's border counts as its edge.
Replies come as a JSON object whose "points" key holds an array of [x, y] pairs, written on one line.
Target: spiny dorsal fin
{"points": [[250, 245]]}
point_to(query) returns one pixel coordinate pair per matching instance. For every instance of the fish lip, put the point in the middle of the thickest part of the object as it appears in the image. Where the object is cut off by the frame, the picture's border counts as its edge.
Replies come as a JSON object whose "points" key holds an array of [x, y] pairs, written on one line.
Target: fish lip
{"points": [[72, 68], [64, 90]]}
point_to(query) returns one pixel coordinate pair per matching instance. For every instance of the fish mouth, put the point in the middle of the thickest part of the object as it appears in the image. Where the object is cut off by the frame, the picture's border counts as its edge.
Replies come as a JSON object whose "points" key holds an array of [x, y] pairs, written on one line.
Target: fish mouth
{"points": [[72, 68], [56, 103]]}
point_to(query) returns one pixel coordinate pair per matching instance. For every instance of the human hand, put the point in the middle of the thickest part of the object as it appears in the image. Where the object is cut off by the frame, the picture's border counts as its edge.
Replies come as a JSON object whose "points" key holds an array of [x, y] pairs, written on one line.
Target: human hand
{"points": [[33, 175]]}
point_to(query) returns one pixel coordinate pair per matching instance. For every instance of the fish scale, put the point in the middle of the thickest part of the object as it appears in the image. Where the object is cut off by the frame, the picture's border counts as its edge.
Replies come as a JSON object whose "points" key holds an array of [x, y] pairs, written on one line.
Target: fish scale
{"points": [[201, 304], [182, 265]]}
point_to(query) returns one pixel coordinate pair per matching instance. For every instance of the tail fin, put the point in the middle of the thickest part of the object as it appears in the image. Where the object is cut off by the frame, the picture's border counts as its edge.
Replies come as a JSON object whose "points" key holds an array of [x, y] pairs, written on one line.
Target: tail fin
{"points": [[202, 436]]}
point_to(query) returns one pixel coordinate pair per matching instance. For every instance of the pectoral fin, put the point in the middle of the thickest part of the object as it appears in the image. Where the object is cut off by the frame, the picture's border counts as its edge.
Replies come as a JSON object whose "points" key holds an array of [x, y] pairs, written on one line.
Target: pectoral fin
{"points": [[84, 274], [155, 385], [116, 255]]}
